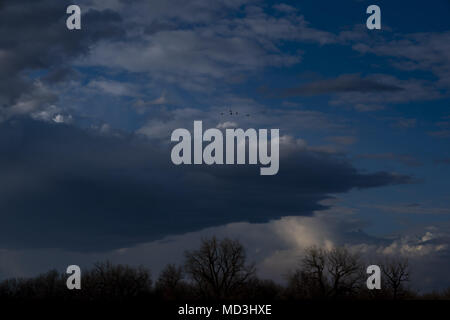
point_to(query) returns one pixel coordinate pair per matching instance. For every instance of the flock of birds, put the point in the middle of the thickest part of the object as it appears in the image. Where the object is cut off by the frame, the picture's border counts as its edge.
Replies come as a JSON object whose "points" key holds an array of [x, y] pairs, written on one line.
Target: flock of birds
{"points": [[234, 113]]}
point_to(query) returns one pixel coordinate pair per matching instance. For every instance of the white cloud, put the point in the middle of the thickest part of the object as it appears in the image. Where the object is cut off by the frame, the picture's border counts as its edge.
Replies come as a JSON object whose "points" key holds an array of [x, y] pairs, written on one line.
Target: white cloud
{"points": [[59, 118], [210, 46], [419, 51], [227, 124], [38, 102], [111, 87]]}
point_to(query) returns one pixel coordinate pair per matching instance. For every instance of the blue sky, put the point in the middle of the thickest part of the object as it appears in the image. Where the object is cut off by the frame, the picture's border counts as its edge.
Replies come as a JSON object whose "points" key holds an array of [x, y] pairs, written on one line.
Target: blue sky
{"points": [[86, 118]]}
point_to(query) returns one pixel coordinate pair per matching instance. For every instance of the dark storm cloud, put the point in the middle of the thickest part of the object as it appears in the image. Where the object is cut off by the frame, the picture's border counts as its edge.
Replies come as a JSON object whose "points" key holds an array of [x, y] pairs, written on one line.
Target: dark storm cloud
{"points": [[442, 161], [341, 84], [405, 159], [369, 93], [65, 187], [33, 36]]}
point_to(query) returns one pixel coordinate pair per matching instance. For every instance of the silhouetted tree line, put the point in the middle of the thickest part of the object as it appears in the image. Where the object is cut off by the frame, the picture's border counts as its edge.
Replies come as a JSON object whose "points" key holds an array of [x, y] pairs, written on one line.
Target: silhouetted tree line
{"points": [[218, 270]]}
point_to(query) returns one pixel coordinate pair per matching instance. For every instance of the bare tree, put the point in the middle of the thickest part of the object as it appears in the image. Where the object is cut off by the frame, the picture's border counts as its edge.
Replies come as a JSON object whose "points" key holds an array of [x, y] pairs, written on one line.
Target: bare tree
{"points": [[302, 285], [397, 274], [110, 281], [218, 268], [261, 290], [49, 285], [333, 273], [313, 271], [345, 270], [170, 284]]}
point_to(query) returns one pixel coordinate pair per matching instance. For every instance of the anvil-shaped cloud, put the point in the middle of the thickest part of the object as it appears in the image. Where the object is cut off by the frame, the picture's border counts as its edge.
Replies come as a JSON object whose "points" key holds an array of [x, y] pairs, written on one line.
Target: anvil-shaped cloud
{"points": [[83, 190]]}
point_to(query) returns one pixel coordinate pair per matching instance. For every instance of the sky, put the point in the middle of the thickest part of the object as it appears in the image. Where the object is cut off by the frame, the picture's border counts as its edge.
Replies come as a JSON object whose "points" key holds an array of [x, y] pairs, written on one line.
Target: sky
{"points": [[86, 117]]}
